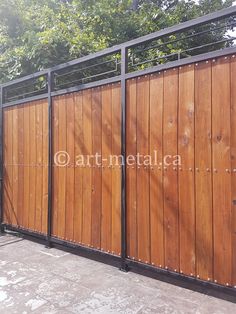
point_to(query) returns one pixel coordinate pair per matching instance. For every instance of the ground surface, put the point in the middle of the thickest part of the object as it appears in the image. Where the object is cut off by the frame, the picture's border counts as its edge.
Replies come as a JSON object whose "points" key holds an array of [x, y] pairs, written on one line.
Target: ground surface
{"points": [[39, 280]]}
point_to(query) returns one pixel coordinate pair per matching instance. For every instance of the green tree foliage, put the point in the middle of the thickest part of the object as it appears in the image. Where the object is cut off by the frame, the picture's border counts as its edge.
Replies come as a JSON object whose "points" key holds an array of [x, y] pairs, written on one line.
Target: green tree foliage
{"points": [[38, 34]]}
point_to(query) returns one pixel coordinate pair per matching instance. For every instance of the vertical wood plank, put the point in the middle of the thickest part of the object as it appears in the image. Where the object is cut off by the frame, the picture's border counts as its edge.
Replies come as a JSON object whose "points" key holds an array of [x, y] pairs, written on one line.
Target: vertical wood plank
{"points": [[131, 171], [186, 176], [116, 170], [106, 172], [233, 165], [156, 176], [87, 173], [221, 178], [143, 209], [170, 178], [32, 159], [97, 173], [45, 164], [20, 201], [15, 167], [55, 169], [26, 136], [70, 169], [61, 218], [79, 142], [203, 179], [6, 169], [39, 159]]}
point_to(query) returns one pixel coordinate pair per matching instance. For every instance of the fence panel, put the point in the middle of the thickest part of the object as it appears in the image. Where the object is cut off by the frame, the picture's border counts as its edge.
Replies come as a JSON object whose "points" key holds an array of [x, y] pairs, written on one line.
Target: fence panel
{"points": [[86, 193], [183, 210], [26, 166]]}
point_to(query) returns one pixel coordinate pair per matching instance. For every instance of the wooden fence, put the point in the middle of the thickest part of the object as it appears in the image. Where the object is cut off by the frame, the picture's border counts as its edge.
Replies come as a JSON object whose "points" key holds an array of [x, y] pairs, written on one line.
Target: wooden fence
{"points": [[179, 217]]}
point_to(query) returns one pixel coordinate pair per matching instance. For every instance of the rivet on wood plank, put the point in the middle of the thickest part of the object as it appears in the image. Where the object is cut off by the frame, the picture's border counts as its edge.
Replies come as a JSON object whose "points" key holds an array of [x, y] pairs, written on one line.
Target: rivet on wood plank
{"points": [[191, 274], [197, 169], [196, 64], [181, 272], [153, 264], [190, 169], [160, 266], [146, 262], [175, 270], [180, 168], [133, 258], [226, 58], [166, 267], [233, 56], [234, 170], [215, 170], [208, 170], [215, 281], [139, 260], [213, 60], [227, 284], [227, 170], [208, 279], [207, 61], [198, 276]]}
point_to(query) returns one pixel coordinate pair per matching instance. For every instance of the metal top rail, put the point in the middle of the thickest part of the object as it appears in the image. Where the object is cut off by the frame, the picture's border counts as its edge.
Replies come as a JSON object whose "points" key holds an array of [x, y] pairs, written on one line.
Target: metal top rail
{"points": [[132, 43]]}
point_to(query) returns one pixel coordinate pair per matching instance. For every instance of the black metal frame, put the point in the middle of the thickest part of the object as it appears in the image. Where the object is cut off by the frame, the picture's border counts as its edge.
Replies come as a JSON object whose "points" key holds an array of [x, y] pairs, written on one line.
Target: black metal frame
{"points": [[124, 263]]}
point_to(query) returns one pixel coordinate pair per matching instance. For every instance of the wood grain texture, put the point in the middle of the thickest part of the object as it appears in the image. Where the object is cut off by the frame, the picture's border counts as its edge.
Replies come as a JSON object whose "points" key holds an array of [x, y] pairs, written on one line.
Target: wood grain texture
{"points": [[186, 176], [203, 179], [233, 165], [221, 178], [131, 175], [23, 151], [170, 179], [116, 170], [97, 171], [143, 184], [156, 174], [106, 227]]}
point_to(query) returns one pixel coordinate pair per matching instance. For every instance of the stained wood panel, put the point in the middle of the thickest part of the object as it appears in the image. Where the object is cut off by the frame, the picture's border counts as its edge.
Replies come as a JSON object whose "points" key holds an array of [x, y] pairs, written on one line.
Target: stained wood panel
{"points": [[180, 203], [156, 174], [233, 164], [131, 175], [86, 194], [203, 179], [221, 171], [186, 174], [25, 144], [143, 198], [170, 180]]}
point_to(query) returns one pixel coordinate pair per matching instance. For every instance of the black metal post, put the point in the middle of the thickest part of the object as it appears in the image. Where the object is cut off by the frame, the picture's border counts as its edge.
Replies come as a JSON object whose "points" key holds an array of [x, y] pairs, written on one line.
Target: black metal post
{"points": [[50, 160], [124, 60], [1, 161]]}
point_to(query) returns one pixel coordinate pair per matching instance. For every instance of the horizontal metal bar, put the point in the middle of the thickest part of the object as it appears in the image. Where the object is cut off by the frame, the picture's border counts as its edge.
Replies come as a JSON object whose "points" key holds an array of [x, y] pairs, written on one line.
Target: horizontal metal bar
{"points": [[183, 26], [192, 283], [25, 100], [24, 231], [184, 61], [89, 77], [89, 57], [26, 78], [167, 31], [186, 37], [86, 86]]}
